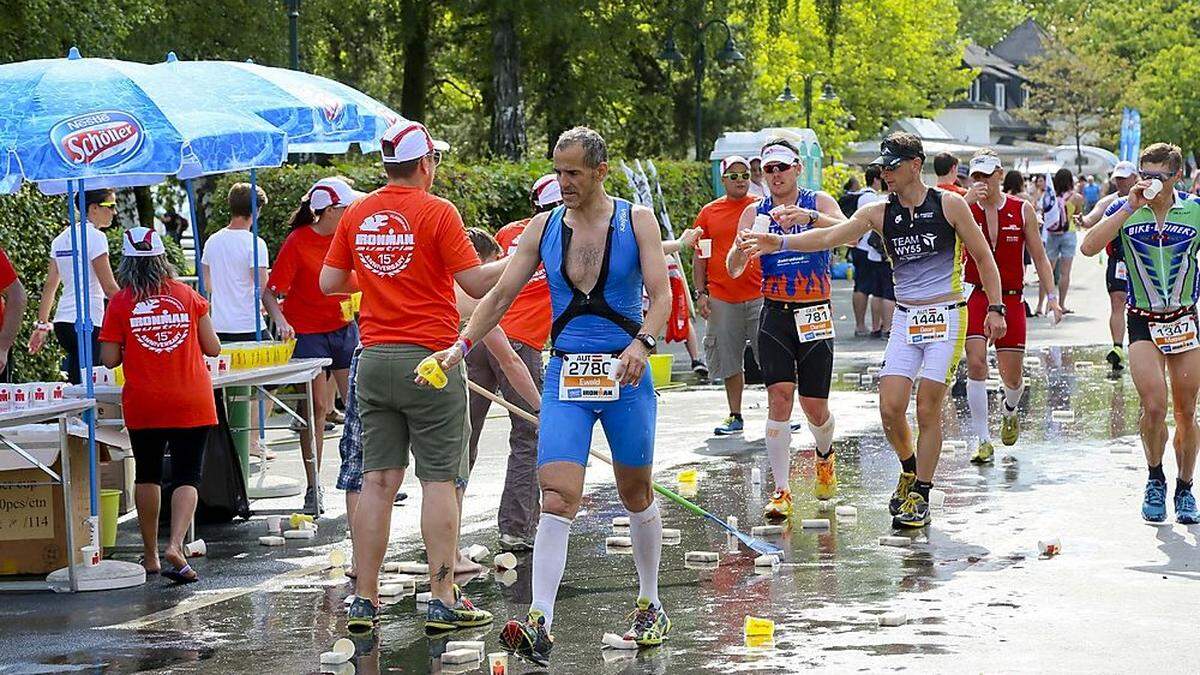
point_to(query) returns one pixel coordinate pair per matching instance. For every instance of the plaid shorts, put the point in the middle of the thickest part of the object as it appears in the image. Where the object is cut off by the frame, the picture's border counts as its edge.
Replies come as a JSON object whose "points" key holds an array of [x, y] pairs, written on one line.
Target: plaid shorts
{"points": [[351, 446]]}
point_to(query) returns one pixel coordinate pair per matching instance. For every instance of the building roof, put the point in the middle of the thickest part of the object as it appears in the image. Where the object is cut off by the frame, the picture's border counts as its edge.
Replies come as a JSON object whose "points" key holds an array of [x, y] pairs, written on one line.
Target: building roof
{"points": [[1023, 43], [987, 62]]}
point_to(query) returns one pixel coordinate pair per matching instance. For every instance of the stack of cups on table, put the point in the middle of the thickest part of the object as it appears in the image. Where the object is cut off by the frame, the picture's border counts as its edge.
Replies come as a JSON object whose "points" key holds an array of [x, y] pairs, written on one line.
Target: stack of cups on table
{"points": [[24, 396]]}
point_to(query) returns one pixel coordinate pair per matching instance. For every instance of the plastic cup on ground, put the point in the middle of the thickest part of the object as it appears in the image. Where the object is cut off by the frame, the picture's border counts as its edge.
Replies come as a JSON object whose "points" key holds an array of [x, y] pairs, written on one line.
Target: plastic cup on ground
{"points": [[196, 549], [91, 556], [704, 247], [755, 626], [937, 499], [1050, 547], [498, 663], [505, 561], [755, 476], [275, 524]]}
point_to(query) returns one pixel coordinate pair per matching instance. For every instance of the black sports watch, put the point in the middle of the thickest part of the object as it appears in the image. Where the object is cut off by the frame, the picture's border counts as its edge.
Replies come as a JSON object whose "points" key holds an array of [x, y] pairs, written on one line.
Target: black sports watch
{"points": [[999, 309], [647, 340]]}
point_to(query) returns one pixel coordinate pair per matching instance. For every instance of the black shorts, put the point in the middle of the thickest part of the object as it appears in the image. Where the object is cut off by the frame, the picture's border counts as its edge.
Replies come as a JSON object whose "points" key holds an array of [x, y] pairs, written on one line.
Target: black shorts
{"points": [[1110, 277], [863, 269], [884, 286], [1138, 323], [338, 345], [187, 454], [784, 358]]}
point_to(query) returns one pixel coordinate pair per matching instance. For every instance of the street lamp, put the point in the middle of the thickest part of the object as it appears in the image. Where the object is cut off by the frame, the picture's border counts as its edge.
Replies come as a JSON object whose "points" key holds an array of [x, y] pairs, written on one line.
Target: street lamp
{"points": [[827, 94], [726, 56], [293, 9]]}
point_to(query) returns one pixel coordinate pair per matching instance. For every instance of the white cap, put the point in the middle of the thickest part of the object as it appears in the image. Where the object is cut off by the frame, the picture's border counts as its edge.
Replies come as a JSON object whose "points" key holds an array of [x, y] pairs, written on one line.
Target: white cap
{"points": [[779, 154], [1124, 169], [733, 159], [410, 140], [140, 242], [329, 192], [984, 164], [546, 190]]}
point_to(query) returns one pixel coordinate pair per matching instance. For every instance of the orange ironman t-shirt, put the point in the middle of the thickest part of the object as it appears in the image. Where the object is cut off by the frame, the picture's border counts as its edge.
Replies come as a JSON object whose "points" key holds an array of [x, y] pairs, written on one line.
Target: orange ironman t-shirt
{"points": [[296, 276], [405, 246], [7, 276], [528, 319], [167, 385], [718, 220]]}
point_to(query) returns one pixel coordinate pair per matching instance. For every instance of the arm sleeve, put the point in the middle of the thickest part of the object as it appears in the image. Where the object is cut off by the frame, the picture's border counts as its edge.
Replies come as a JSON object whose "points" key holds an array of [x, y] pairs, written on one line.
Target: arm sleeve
{"points": [[284, 271], [338, 255], [97, 243], [115, 319], [7, 274], [1115, 206], [264, 256], [200, 304], [457, 252]]}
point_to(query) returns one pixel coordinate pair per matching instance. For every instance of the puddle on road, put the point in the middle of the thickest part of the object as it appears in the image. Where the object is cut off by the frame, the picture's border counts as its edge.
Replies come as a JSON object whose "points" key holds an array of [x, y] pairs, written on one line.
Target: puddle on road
{"points": [[842, 570]]}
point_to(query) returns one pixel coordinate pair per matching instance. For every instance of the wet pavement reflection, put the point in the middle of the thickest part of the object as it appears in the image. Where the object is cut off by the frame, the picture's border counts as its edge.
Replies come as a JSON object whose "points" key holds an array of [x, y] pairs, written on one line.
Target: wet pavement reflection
{"points": [[826, 598]]}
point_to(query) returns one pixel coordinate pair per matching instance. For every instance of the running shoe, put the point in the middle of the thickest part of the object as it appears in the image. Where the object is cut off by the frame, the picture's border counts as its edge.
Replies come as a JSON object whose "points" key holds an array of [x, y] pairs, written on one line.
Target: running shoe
{"points": [[1154, 505], [439, 617], [730, 427], [914, 512], [650, 624], [903, 487], [780, 506], [312, 502], [1116, 358], [512, 542], [362, 616], [529, 639], [699, 368], [1010, 427], [826, 485], [1185, 508], [984, 454]]}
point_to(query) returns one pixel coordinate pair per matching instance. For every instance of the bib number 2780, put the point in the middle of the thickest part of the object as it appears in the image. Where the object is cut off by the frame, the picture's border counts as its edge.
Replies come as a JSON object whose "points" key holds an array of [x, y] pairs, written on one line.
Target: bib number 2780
{"points": [[588, 377]]}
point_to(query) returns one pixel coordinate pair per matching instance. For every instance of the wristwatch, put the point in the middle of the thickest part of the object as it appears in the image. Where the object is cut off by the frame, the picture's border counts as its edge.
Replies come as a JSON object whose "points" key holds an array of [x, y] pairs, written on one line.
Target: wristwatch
{"points": [[999, 309], [647, 340], [699, 292], [813, 216]]}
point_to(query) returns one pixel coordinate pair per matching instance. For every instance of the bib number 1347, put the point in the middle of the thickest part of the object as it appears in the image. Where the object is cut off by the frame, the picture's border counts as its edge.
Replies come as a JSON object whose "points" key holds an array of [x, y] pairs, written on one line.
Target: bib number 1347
{"points": [[1175, 337]]}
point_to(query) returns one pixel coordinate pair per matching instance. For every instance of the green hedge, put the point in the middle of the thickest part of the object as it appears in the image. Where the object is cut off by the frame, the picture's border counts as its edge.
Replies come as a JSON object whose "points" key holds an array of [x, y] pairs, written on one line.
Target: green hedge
{"points": [[29, 221], [488, 195]]}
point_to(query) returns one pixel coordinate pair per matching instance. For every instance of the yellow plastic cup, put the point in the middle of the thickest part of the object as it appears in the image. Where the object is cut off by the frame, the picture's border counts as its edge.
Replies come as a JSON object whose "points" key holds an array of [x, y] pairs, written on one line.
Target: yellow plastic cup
{"points": [[759, 627], [347, 309], [291, 348], [119, 378], [262, 355], [279, 353], [687, 476], [356, 301], [431, 370], [298, 518]]}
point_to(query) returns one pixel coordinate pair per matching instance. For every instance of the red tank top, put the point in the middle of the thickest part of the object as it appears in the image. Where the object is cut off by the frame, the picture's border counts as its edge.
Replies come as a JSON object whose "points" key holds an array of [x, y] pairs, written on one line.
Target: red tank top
{"points": [[1009, 251]]}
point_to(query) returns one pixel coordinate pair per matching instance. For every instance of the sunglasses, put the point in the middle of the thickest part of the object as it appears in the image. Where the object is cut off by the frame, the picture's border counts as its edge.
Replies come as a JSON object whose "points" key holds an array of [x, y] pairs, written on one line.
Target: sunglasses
{"points": [[775, 167], [107, 205], [736, 175], [437, 157], [1151, 175]]}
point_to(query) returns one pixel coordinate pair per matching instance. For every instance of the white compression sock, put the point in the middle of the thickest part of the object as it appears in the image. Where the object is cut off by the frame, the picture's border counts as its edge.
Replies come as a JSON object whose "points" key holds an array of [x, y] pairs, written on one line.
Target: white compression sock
{"points": [[549, 562], [823, 435], [1012, 397], [645, 529], [779, 451], [977, 401]]}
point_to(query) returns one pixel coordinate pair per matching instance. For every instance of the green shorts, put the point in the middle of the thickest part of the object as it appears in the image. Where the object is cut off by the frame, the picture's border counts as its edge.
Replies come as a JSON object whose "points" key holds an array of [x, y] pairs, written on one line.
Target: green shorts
{"points": [[398, 416]]}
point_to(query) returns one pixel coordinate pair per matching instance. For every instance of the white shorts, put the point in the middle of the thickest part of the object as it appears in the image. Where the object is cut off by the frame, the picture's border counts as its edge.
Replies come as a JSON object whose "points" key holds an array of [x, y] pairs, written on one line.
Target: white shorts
{"points": [[933, 361]]}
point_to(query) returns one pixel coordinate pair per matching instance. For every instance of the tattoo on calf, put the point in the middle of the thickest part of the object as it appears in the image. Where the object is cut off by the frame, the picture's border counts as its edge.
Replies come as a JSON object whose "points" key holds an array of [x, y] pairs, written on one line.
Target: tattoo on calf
{"points": [[443, 572]]}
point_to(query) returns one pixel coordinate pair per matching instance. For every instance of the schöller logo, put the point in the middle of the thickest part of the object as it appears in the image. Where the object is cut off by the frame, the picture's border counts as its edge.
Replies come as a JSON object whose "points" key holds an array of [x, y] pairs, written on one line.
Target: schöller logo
{"points": [[101, 139]]}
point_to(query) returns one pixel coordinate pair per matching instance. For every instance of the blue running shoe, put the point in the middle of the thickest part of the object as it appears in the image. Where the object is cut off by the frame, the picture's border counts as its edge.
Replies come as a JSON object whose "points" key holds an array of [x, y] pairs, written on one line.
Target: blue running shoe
{"points": [[730, 427], [1154, 506], [1185, 508]]}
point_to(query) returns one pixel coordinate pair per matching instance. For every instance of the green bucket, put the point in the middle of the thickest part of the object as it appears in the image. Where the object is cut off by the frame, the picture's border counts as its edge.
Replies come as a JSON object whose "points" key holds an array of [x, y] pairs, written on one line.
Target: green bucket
{"points": [[110, 508]]}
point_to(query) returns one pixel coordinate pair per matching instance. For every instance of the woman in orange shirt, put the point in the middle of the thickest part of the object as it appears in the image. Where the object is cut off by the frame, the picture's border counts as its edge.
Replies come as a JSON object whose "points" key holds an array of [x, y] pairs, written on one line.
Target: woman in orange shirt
{"points": [[314, 319], [160, 331]]}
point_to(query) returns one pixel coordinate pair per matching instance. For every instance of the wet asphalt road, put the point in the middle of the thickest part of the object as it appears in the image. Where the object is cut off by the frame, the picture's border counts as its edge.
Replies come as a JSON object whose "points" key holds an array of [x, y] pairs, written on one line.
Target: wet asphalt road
{"points": [[975, 592]]}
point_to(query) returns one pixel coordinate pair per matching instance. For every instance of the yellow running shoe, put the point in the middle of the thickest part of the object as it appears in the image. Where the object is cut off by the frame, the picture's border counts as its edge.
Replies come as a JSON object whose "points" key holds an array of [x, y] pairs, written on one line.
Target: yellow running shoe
{"points": [[984, 454], [903, 487], [1010, 429], [826, 485], [780, 506]]}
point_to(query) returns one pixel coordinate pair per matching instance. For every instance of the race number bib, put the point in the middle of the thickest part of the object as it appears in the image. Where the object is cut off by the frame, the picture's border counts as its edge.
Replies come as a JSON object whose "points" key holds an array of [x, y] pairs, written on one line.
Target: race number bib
{"points": [[814, 323], [1122, 273], [588, 377], [1175, 337], [928, 325]]}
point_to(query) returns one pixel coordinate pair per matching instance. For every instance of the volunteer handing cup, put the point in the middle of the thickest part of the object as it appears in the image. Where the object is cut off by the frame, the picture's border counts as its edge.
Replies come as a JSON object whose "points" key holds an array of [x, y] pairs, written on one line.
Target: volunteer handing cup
{"points": [[704, 246]]}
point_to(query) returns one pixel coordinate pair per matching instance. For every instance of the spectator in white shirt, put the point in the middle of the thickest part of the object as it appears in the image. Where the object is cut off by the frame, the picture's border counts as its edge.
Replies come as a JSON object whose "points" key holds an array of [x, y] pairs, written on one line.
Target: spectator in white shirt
{"points": [[100, 206]]}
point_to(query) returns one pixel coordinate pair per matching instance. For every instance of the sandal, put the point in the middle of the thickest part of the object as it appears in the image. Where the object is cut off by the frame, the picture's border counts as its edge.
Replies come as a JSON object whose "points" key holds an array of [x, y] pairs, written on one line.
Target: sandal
{"points": [[182, 575]]}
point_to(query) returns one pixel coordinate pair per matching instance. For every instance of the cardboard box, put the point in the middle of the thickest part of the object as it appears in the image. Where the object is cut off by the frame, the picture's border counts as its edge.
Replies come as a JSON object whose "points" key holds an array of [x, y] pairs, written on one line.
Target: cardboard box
{"points": [[32, 517]]}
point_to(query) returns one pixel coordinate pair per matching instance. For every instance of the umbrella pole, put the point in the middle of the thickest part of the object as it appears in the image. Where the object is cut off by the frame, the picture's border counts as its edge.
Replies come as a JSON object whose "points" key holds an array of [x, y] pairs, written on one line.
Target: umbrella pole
{"points": [[83, 330], [262, 409], [197, 249]]}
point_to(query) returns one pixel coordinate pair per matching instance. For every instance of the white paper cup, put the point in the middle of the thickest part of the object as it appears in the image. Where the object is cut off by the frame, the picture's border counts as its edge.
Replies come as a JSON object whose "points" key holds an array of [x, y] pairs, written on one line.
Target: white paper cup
{"points": [[498, 663], [1153, 189], [275, 524], [704, 247], [39, 395], [224, 363], [6, 398], [20, 397], [762, 224], [91, 556], [58, 391]]}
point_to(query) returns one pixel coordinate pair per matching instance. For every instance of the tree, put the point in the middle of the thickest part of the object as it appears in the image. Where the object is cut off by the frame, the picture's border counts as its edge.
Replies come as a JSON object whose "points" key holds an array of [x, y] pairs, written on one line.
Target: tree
{"points": [[1161, 90], [508, 106], [1078, 91]]}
